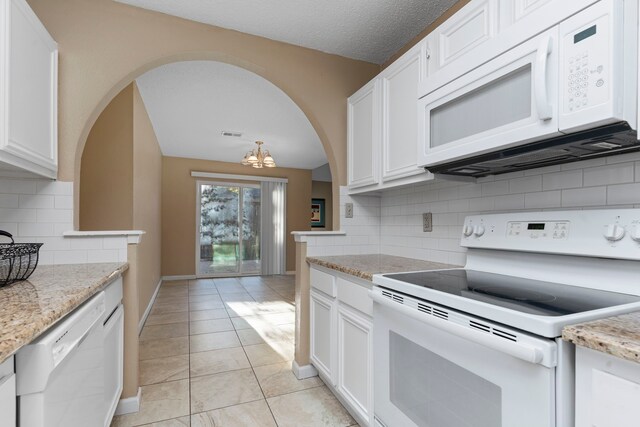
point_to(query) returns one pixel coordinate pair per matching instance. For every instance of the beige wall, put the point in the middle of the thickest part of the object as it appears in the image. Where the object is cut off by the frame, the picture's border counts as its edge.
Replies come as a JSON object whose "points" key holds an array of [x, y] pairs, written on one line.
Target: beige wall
{"points": [[120, 184], [147, 206], [323, 190], [179, 208], [106, 184], [104, 45]]}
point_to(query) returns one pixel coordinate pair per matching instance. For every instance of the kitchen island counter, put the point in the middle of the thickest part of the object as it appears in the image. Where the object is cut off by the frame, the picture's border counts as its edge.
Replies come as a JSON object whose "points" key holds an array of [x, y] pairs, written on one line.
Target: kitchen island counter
{"points": [[30, 307]]}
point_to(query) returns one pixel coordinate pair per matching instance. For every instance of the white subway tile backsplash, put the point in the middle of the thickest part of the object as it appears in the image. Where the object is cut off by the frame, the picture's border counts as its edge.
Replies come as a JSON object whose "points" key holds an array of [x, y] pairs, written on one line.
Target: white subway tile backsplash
{"points": [[617, 173], [582, 197], [623, 194], [527, 184], [64, 202], [38, 210], [18, 186], [55, 215], [495, 188], [36, 201], [9, 201], [509, 202], [560, 180], [543, 199], [70, 257], [17, 215], [35, 229], [58, 188]]}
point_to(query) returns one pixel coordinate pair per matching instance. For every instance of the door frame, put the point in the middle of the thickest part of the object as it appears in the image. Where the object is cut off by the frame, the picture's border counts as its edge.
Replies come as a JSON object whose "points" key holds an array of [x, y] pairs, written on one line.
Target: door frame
{"points": [[199, 183]]}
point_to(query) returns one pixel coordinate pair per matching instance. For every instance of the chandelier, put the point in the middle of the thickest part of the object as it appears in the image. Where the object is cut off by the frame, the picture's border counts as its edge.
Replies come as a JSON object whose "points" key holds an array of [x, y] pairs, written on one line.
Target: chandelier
{"points": [[258, 158]]}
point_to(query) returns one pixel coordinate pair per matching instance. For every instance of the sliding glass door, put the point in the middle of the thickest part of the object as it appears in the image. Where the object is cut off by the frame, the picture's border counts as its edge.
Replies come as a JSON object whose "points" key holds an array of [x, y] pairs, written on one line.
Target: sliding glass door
{"points": [[228, 235]]}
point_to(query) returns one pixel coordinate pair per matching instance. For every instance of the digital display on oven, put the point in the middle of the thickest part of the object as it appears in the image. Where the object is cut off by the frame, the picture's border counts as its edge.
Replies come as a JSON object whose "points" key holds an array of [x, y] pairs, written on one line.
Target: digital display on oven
{"points": [[535, 226], [584, 34]]}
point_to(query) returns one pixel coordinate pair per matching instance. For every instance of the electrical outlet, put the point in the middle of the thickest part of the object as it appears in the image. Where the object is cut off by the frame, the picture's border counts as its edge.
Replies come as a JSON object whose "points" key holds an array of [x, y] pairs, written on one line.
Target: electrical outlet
{"points": [[427, 222], [348, 210]]}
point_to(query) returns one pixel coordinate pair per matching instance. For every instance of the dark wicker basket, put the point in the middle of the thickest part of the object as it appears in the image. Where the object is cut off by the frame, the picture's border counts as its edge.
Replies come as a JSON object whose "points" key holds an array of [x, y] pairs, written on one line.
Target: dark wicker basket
{"points": [[17, 260]]}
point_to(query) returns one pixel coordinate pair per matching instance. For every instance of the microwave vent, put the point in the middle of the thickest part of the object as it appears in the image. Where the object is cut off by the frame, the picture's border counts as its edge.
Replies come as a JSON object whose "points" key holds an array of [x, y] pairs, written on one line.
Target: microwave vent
{"points": [[606, 145]]}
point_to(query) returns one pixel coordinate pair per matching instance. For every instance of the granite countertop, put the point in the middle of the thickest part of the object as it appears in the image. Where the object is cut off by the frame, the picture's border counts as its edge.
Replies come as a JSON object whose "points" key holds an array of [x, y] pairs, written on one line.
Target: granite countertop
{"points": [[30, 307], [618, 336], [365, 266]]}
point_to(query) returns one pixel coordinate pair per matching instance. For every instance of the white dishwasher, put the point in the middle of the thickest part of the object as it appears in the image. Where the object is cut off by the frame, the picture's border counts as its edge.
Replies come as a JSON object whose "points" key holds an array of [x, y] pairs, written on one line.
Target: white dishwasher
{"points": [[60, 375]]}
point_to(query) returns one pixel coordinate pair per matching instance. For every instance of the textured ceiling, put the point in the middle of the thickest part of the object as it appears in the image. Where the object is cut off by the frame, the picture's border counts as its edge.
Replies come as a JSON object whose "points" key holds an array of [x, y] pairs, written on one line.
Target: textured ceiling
{"points": [[191, 103], [370, 30]]}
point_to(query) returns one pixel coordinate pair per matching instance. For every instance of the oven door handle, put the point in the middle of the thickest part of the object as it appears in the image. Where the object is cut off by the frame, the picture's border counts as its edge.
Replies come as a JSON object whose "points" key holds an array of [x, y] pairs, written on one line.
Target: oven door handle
{"points": [[522, 351]]}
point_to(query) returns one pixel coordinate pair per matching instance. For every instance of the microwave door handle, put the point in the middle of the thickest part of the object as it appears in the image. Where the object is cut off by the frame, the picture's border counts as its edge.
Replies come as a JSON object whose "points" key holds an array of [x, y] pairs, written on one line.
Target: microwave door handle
{"points": [[518, 350], [545, 110]]}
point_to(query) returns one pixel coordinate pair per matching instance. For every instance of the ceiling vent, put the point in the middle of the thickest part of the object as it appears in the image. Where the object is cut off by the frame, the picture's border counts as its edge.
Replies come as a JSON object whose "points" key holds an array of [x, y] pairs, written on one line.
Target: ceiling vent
{"points": [[231, 134]]}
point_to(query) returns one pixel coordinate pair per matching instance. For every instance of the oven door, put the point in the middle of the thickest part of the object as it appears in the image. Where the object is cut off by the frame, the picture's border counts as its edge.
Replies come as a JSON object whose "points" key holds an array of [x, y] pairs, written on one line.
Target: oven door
{"points": [[508, 101], [433, 371]]}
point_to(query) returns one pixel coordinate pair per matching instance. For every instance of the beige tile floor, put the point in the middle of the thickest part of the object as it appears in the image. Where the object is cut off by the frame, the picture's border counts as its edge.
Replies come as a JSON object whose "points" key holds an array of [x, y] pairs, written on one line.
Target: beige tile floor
{"points": [[218, 352]]}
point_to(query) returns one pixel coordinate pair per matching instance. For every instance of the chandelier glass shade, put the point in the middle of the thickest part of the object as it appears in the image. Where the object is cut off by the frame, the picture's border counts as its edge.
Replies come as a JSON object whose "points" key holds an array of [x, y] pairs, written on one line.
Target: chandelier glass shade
{"points": [[258, 158]]}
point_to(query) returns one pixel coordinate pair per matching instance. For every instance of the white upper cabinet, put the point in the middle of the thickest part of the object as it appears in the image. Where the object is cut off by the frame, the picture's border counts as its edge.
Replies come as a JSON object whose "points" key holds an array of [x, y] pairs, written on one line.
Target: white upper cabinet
{"points": [[383, 127], [363, 139], [28, 92], [400, 117], [472, 25]]}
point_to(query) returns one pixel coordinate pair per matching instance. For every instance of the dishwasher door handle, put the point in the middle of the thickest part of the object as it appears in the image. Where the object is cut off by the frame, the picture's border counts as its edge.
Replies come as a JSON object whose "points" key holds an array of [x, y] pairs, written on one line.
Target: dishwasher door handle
{"points": [[519, 350]]}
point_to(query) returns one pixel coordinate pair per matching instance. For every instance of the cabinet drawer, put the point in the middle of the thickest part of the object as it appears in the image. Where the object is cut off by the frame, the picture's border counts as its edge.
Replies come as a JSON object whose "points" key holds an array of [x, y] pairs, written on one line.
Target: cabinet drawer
{"points": [[354, 295], [323, 282]]}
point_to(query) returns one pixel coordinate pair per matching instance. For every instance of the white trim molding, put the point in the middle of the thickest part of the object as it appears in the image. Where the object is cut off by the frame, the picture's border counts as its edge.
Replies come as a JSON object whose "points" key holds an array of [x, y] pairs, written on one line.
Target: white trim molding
{"points": [[196, 174], [301, 236], [133, 236], [148, 310], [129, 405], [302, 372]]}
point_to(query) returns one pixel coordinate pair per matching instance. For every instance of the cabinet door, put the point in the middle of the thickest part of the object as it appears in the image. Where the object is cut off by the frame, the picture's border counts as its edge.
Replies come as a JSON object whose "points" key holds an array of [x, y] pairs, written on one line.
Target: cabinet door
{"points": [[113, 362], [355, 349], [400, 117], [323, 335], [29, 102], [363, 136], [607, 390], [7, 394], [472, 25]]}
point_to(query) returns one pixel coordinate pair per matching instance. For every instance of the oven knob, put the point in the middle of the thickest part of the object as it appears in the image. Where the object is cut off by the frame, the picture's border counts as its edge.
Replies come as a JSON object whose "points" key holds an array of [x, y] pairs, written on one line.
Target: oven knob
{"points": [[467, 230], [635, 233], [614, 232], [479, 230]]}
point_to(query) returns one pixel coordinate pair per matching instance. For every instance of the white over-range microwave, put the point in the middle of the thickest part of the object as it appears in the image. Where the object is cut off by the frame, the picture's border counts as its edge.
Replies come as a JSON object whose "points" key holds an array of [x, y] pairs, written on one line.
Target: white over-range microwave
{"points": [[569, 93]]}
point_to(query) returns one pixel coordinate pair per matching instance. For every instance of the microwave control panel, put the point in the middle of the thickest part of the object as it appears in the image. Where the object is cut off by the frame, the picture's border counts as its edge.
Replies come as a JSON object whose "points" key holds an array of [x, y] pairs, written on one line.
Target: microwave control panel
{"points": [[587, 69]]}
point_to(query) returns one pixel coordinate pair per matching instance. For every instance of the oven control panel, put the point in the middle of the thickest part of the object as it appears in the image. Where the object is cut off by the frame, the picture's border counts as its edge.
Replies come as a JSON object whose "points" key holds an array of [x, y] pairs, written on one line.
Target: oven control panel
{"points": [[607, 233], [550, 230]]}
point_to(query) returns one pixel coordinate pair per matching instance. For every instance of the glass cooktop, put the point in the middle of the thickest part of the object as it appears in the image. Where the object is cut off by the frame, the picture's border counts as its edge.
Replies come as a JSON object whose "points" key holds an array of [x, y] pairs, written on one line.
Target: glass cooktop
{"points": [[516, 293]]}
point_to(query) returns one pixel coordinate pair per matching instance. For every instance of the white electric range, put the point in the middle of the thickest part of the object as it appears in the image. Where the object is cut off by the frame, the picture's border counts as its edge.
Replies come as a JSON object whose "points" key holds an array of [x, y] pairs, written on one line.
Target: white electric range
{"points": [[480, 346]]}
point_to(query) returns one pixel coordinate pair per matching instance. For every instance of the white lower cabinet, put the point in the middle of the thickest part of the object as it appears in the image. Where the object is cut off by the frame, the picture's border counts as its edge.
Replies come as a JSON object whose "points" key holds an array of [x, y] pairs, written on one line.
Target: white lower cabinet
{"points": [[607, 390], [113, 330], [342, 340], [355, 349], [7, 394], [323, 342]]}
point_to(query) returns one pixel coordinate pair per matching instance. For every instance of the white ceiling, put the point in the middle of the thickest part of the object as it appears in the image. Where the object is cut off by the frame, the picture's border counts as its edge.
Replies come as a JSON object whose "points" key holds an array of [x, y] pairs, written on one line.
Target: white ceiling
{"points": [[370, 30], [191, 103]]}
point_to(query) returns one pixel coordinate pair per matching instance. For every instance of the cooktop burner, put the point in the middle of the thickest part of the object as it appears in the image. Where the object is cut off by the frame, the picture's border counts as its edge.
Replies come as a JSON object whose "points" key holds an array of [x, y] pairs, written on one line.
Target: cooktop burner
{"points": [[516, 293]]}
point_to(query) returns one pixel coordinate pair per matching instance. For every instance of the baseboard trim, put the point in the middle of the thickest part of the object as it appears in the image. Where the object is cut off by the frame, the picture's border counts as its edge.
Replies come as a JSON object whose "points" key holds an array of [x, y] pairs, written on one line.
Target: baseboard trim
{"points": [[290, 273], [148, 310], [129, 405], [302, 372], [180, 277]]}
